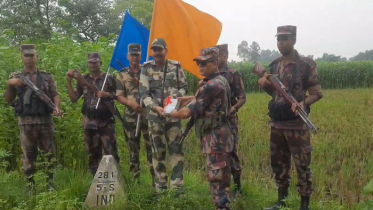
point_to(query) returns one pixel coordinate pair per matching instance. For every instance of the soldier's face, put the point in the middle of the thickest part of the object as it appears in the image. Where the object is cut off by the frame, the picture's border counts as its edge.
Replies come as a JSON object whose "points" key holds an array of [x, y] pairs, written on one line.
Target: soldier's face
{"points": [[207, 67], [134, 59], [29, 60], [285, 44], [159, 54], [94, 66]]}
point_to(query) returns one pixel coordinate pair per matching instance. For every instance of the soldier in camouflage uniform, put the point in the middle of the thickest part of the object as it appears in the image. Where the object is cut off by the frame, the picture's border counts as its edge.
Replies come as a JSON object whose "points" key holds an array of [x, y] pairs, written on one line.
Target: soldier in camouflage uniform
{"points": [[129, 87], [289, 135], [159, 79], [98, 124], [210, 109], [238, 99], [34, 116]]}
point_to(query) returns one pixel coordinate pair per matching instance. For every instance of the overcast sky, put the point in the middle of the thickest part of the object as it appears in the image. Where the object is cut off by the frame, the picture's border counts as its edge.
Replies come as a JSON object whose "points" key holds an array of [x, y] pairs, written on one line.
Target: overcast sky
{"points": [[341, 27]]}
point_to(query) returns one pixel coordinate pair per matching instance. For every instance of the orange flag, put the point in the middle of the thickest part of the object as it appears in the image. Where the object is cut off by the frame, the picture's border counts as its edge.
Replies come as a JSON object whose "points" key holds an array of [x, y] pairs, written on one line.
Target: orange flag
{"points": [[185, 29]]}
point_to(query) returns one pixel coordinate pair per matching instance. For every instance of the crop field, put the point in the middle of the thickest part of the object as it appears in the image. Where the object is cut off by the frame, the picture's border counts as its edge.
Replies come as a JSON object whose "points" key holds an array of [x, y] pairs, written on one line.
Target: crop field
{"points": [[342, 161]]}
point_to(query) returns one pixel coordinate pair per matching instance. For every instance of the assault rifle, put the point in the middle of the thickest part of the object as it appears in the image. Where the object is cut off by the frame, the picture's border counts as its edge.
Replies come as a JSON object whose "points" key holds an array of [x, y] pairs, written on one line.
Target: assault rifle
{"points": [[137, 85], [282, 90], [39, 93], [188, 126], [109, 104]]}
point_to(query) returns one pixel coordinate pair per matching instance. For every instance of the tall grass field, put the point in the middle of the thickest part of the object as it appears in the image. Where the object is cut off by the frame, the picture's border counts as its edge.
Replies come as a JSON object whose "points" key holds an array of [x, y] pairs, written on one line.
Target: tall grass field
{"points": [[342, 162]]}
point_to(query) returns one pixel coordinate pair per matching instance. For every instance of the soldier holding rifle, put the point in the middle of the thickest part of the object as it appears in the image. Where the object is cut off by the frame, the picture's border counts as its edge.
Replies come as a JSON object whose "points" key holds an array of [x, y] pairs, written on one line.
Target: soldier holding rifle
{"points": [[290, 136], [37, 99]]}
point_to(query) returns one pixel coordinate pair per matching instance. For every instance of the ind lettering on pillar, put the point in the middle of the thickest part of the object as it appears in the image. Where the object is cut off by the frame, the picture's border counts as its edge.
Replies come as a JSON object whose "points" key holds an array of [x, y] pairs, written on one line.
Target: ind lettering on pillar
{"points": [[107, 186]]}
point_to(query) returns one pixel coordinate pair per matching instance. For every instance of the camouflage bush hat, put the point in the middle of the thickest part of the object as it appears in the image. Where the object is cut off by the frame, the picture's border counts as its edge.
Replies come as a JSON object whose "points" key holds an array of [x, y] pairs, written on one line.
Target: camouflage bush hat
{"points": [[159, 43], [287, 30], [208, 54], [28, 49], [94, 57], [134, 49], [223, 48]]}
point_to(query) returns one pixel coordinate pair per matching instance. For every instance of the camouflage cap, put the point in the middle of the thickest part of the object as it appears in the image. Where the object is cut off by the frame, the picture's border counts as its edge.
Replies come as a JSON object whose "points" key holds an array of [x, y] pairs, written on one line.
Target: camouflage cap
{"points": [[286, 30], [28, 49], [159, 43], [134, 49], [223, 48], [208, 53], [94, 57]]}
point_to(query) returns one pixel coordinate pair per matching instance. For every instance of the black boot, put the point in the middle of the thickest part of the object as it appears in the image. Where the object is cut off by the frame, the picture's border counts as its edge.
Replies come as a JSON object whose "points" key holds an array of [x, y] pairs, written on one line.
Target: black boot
{"points": [[305, 202], [93, 171], [50, 185], [237, 187], [282, 195], [30, 186]]}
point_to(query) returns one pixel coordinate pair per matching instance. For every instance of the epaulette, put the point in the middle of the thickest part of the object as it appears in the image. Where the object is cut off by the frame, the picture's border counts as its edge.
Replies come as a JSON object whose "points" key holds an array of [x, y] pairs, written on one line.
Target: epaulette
{"points": [[308, 61], [45, 72], [15, 74], [174, 62], [148, 63], [275, 61]]}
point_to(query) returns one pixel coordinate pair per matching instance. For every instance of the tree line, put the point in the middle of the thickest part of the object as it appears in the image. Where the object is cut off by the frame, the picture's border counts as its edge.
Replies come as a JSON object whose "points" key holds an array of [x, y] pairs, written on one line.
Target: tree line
{"points": [[88, 20], [254, 53]]}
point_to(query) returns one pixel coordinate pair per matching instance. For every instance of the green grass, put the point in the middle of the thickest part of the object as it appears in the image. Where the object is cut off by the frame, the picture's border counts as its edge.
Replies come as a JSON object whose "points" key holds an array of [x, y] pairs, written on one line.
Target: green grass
{"points": [[342, 165]]}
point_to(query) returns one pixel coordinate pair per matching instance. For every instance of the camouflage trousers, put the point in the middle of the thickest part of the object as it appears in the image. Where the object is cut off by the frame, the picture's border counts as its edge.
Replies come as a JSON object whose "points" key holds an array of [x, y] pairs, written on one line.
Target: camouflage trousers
{"points": [[166, 136], [219, 176], [284, 145], [133, 144], [97, 139], [236, 167], [34, 136]]}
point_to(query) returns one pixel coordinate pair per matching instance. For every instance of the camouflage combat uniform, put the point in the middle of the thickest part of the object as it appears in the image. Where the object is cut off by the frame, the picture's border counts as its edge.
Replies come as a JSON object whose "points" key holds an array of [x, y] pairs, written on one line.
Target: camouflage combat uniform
{"points": [[289, 135], [129, 87], [164, 132], [210, 110], [35, 120], [98, 124], [236, 85]]}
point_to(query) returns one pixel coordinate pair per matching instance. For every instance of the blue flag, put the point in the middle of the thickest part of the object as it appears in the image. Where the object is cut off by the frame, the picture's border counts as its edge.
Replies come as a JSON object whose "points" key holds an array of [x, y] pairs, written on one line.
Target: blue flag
{"points": [[132, 32]]}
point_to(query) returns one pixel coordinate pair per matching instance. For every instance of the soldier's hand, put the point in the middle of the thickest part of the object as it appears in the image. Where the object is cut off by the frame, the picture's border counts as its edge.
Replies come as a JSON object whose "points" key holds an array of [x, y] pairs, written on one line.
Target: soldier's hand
{"points": [[15, 82], [264, 81], [103, 94], [70, 75], [57, 112], [294, 107], [173, 114], [159, 110], [232, 110]]}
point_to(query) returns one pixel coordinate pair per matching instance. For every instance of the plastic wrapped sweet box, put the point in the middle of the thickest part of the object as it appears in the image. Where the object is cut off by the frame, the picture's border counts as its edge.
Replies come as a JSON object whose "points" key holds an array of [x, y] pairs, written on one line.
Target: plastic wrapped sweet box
{"points": [[171, 104]]}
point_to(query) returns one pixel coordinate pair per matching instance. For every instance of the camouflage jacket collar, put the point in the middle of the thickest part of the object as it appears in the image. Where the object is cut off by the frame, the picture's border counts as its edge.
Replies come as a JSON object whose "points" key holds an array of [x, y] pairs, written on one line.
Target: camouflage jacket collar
{"points": [[212, 76], [24, 73]]}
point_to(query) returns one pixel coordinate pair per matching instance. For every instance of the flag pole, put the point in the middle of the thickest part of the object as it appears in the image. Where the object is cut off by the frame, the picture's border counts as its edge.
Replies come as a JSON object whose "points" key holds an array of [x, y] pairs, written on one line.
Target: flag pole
{"points": [[103, 85], [139, 115]]}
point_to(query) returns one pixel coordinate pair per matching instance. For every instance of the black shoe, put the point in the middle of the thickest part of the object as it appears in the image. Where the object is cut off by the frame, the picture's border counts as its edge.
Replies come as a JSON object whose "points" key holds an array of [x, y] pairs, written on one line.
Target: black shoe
{"points": [[304, 203], [282, 195], [93, 171], [237, 192]]}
